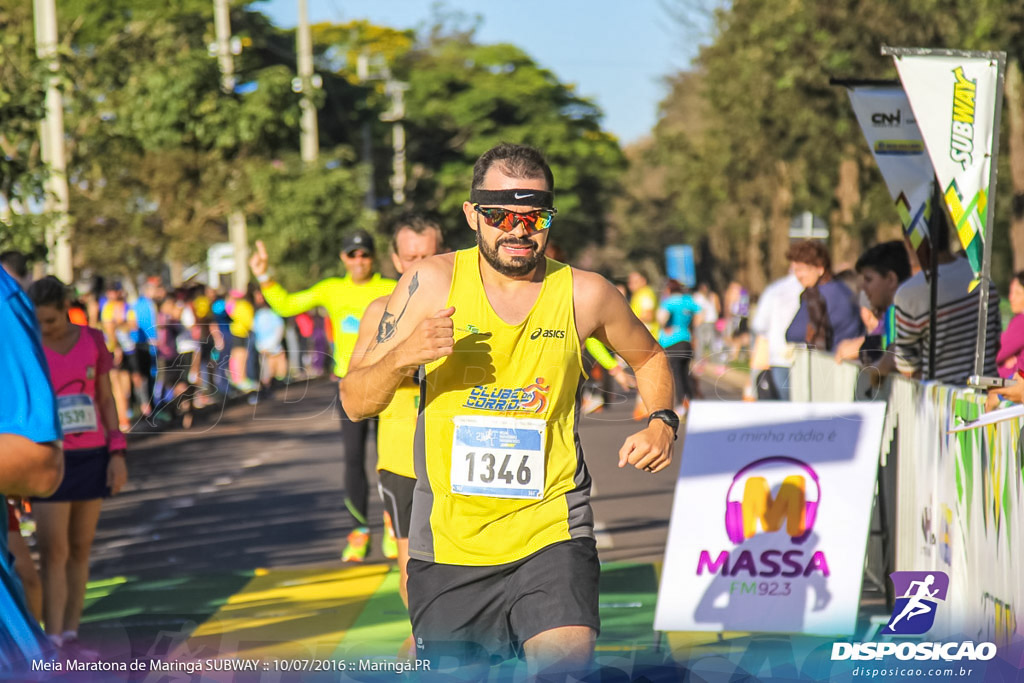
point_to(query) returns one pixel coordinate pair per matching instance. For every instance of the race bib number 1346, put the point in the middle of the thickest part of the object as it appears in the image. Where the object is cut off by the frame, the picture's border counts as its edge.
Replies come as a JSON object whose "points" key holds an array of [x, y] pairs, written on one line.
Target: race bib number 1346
{"points": [[498, 457]]}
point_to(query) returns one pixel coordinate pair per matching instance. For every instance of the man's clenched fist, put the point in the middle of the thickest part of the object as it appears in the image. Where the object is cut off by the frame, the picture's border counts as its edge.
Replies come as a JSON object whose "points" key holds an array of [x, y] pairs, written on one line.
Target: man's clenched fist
{"points": [[432, 339]]}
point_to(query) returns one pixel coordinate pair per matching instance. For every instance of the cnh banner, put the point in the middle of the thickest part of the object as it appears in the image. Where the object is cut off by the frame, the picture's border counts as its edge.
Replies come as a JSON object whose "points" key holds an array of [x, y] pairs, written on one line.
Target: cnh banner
{"points": [[954, 102], [888, 123], [770, 520]]}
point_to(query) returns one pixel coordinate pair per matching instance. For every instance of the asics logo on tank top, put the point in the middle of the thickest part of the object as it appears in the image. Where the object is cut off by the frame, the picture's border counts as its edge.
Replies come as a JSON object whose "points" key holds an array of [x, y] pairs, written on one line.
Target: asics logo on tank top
{"points": [[547, 334]]}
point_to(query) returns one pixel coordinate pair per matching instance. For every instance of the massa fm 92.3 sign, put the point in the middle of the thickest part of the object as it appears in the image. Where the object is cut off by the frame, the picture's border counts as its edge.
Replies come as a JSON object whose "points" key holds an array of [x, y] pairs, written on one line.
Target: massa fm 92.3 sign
{"points": [[770, 520]]}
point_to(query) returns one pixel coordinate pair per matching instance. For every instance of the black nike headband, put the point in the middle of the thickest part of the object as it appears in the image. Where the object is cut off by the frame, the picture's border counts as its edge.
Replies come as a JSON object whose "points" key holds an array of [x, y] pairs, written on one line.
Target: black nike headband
{"points": [[541, 198]]}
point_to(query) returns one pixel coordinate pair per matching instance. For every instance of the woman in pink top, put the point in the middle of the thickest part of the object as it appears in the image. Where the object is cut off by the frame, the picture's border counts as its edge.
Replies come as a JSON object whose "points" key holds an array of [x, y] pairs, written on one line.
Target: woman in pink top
{"points": [[94, 466], [1011, 344]]}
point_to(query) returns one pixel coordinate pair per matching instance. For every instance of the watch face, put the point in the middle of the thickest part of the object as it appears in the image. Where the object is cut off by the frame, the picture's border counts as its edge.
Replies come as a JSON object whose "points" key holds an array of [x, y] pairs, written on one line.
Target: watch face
{"points": [[666, 416]]}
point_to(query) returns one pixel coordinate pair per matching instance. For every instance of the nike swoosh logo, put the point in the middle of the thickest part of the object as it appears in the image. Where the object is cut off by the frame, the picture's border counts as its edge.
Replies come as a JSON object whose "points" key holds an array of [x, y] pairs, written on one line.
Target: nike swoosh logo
{"points": [[522, 196]]}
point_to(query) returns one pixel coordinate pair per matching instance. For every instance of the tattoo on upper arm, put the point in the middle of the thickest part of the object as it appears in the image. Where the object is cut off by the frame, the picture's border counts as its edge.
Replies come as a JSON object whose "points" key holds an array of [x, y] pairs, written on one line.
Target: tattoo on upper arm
{"points": [[389, 322]]}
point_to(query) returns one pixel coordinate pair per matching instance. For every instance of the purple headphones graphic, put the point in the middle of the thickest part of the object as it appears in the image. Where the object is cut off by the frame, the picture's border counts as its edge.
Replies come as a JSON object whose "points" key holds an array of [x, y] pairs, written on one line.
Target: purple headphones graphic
{"points": [[734, 508]]}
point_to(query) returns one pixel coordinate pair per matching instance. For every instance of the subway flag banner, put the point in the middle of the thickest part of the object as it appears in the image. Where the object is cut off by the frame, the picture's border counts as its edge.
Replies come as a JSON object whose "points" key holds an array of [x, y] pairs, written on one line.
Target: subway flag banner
{"points": [[954, 102], [888, 123], [770, 519]]}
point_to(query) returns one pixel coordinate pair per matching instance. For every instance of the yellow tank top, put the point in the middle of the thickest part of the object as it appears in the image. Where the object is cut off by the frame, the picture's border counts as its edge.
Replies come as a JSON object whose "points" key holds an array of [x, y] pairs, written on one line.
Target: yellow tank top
{"points": [[396, 430], [500, 473]]}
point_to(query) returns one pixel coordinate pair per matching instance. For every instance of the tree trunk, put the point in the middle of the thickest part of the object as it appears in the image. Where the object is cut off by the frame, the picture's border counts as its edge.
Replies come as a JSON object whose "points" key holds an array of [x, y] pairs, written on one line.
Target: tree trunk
{"points": [[782, 216], [1015, 115], [177, 269], [717, 255], [887, 231], [755, 270], [846, 245]]}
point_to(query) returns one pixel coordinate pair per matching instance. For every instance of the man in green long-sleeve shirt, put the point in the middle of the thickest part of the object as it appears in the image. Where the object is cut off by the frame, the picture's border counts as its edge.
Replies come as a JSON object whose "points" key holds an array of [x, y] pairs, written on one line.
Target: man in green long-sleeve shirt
{"points": [[345, 299]]}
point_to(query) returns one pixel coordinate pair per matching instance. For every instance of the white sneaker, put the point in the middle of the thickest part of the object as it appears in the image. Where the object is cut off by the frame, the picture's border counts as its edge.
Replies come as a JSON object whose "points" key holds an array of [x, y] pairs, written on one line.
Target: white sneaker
{"points": [[590, 404]]}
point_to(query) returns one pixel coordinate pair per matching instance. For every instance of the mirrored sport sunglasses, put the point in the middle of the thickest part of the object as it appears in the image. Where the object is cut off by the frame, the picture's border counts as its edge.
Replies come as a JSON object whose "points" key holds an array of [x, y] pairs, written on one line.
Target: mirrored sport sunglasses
{"points": [[504, 219]]}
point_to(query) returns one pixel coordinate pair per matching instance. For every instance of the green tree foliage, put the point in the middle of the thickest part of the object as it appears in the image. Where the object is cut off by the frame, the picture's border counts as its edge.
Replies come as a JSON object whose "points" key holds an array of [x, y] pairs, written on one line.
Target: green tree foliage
{"points": [[755, 133], [464, 98], [159, 154], [159, 149], [303, 213], [22, 98]]}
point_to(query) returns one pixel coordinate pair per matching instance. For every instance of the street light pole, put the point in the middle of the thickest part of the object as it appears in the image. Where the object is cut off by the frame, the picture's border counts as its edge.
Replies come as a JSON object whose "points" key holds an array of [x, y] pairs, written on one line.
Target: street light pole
{"points": [[363, 74], [238, 231], [396, 91], [52, 141], [310, 144]]}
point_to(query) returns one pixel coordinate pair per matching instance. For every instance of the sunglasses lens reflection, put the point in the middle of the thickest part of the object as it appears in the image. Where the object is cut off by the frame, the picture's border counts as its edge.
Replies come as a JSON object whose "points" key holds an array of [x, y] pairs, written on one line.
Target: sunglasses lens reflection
{"points": [[507, 220]]}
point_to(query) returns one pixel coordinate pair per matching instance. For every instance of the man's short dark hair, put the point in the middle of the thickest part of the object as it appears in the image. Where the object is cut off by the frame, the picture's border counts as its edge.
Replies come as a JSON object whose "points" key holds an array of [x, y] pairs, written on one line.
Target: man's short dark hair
{"points": [[417, 222], [885, 258], [16, 262], [517, 161], [811, 252]]}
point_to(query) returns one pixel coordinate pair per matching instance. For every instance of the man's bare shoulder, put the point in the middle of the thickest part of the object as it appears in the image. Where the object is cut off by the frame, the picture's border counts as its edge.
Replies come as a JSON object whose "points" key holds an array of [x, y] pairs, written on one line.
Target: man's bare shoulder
{"points": [[591, 295], [432, 276], [588, 287], [438, 268], [376, 308], [424, 287]]}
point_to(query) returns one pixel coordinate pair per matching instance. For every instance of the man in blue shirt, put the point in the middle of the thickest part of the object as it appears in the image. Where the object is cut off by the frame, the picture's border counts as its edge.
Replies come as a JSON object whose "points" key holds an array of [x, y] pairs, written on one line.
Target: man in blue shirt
{"points": [[31, 458]]}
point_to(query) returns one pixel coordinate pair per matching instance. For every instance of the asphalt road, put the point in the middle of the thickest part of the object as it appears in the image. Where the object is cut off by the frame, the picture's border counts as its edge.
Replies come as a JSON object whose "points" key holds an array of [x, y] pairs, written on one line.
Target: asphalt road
{"points": [[262, 487]]}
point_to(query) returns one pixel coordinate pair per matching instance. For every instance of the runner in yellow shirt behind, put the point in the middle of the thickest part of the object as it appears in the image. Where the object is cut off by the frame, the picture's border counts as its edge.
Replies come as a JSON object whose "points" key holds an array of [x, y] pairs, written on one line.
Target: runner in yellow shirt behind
{"points": [[413, 238], [345, 299]]}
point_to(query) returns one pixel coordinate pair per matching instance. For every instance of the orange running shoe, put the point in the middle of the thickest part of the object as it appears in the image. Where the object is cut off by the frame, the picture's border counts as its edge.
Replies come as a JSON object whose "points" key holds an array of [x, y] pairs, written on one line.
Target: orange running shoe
{"points": [[390, 545], [358, 544], [407, 651]]}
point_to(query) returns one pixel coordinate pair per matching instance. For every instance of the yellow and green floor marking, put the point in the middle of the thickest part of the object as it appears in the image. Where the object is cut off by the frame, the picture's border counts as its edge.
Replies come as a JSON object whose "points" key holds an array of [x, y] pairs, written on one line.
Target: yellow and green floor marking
{"points": [[328, 612]]}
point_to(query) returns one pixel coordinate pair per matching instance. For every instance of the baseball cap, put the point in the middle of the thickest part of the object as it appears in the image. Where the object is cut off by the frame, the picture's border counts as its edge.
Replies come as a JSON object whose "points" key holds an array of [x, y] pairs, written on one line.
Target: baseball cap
{"points": [[360, 239]]}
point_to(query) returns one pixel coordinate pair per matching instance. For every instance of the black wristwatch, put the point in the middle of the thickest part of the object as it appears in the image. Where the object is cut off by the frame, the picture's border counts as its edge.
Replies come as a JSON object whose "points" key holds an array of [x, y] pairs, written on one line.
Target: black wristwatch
{"points": [[668, 417]]}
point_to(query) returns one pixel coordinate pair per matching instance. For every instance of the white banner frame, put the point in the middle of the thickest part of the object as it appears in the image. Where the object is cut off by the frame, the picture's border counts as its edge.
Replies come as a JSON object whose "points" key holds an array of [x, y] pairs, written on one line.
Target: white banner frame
{"points": [[815, 584]]}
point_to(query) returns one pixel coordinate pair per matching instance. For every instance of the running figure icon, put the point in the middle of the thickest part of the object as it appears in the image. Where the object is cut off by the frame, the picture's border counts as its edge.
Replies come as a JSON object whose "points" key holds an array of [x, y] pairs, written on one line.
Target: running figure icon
{"points": [[538, 400], [917, 592]]}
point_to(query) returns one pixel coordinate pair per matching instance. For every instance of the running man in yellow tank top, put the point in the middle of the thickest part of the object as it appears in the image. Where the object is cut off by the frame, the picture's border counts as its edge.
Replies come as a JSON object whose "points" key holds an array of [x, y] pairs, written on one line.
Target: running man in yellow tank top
{"points": [[413, 238], [345, 299], [503, 559]]}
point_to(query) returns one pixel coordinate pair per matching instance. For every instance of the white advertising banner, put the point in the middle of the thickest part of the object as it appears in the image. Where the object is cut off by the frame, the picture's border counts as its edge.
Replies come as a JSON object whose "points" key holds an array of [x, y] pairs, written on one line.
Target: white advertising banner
{"points": [[771, 517], [954, 101], [889, 126]]}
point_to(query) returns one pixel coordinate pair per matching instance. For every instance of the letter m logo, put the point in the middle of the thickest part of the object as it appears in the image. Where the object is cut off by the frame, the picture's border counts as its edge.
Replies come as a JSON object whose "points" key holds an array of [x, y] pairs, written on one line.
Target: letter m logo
{"points": [[760, 506]]}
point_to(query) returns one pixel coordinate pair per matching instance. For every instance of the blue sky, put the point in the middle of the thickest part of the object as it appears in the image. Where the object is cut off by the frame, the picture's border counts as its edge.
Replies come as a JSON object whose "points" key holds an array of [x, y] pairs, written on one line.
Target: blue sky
{"points": [[616, 52]]}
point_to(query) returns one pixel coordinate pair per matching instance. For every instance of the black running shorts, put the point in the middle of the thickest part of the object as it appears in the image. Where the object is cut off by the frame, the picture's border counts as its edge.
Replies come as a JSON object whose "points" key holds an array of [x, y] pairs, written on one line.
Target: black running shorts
{"points": [[481, 614], [396, 492]]}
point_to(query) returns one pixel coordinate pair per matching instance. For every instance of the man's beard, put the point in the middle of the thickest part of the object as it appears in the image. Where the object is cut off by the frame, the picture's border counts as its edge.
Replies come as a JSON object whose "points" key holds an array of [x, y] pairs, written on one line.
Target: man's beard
{"points": [[515, 266]]}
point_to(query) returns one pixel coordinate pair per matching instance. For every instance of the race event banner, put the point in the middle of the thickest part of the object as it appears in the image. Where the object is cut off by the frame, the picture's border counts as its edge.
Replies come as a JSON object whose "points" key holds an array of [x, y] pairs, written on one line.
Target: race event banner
{"points": [[954, 102], [770, 519], [888, 123]]}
